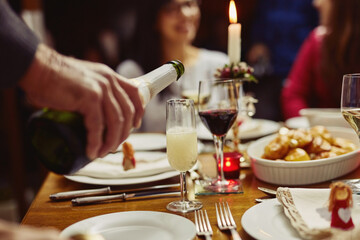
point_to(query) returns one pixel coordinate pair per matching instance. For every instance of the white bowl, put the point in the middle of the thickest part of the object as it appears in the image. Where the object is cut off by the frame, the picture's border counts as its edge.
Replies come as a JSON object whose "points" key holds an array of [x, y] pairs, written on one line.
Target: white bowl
{"points": [[304, 172], [324, 116]]}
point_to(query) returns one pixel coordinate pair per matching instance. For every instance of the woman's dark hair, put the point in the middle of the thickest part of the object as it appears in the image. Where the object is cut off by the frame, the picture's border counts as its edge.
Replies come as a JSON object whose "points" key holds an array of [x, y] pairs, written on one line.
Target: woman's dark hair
{"points": [[146, 43], [341, 45]]}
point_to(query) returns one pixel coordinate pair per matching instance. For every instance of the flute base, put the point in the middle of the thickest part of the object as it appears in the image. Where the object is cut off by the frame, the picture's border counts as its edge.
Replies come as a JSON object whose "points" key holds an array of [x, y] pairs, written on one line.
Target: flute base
{"points": [[184, 206], [210, 187]]}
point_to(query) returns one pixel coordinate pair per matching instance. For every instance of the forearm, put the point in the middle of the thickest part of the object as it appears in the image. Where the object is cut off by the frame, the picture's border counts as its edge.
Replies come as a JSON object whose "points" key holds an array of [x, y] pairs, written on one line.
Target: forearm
{"points": [[18, 45]]}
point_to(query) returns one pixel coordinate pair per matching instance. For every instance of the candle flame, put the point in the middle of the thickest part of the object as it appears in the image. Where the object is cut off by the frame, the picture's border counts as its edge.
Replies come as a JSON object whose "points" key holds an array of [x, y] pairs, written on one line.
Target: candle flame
{"points": [[232, 12]]}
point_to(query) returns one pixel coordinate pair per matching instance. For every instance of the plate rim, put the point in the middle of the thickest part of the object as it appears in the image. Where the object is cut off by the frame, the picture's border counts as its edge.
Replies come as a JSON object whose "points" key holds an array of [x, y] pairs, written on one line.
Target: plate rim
{"points": [[245, 219], [191, 234], [122, 181]]}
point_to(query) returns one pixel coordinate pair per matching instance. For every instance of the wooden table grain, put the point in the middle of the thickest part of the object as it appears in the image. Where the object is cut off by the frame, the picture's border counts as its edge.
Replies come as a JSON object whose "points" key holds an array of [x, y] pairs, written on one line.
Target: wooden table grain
{"points": [[46, 213]]}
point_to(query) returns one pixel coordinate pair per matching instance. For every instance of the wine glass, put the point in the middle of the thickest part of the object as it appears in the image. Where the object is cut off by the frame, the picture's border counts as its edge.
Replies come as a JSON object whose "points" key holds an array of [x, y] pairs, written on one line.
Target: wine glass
{"points": [[350, 100], [218, 114], [181, 147]]}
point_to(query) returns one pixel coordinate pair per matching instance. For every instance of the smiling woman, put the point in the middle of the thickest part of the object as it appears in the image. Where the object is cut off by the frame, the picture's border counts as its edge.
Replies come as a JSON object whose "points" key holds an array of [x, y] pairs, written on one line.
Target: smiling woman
{"points": [[165, 30]]}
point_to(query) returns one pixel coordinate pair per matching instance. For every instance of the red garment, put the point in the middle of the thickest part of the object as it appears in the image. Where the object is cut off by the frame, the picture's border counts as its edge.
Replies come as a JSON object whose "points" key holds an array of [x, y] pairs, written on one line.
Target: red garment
{"points": [[305, 86], [341, 216]]}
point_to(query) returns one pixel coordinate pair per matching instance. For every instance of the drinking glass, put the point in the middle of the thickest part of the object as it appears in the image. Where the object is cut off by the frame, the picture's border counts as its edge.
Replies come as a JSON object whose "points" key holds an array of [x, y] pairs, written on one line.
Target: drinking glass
{"points": [[181, 147], [350, 100], [218, 114]]}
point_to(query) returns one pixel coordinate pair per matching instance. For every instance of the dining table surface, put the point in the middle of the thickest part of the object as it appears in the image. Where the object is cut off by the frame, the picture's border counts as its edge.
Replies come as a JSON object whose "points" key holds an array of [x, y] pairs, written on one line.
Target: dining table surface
{"points": [[60, 214]]}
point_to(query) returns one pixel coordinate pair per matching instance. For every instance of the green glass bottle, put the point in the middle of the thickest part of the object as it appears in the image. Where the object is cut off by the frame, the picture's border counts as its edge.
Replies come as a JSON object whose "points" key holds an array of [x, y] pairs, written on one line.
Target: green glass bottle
{"points": [[59, 137]]}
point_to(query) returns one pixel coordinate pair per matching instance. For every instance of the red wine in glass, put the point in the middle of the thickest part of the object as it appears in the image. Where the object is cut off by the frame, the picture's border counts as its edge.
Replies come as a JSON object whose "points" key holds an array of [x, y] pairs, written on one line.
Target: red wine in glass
{"points": [[218, 113], [218, 121]]}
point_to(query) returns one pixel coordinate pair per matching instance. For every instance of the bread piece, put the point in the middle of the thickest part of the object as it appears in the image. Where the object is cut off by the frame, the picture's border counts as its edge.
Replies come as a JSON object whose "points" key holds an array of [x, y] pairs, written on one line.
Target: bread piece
{"points": [[129, 159]]}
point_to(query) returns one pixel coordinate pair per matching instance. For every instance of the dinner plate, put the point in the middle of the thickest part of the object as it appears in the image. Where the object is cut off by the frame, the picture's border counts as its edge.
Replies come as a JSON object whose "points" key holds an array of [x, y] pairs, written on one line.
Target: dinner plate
{"points": [[146, 141], [110, 166], [263, 128], [135, 225], [268, 221], [122, 181], [297, 122]]}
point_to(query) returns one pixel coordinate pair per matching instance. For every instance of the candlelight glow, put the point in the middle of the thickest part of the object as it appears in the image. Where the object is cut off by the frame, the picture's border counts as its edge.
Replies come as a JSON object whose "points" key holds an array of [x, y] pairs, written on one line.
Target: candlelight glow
{"points": [[232, 12]]}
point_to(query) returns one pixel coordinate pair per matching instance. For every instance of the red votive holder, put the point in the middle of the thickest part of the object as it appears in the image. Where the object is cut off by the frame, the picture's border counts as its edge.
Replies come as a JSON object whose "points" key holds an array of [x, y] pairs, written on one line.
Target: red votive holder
{"points": [[231, 165]]}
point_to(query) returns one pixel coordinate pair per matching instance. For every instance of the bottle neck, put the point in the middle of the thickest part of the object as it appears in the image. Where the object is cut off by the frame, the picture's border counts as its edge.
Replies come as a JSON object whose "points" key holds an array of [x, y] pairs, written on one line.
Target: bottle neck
{"points": [[155, 81]]}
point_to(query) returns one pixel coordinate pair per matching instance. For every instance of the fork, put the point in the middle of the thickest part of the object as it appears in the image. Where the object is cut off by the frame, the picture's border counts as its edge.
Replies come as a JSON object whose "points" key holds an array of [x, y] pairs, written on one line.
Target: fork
{"points": [[202, 224], [225, 219]]}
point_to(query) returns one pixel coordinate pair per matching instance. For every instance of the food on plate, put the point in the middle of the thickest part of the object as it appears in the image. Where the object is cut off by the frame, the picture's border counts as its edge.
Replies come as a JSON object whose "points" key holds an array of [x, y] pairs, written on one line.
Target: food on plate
{"points": [[306, 144], [129, 159], [318, 145], [297, 154], [277, 148], [299, 137]]}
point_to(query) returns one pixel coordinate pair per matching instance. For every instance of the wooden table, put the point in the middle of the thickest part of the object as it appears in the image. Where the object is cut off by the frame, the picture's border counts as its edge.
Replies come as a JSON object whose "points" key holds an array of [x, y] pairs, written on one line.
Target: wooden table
{"points": [[44, 212]]}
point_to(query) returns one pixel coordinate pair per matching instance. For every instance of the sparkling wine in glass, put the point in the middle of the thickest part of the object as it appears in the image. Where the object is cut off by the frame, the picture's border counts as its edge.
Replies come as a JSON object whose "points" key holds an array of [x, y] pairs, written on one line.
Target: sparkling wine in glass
{"points": [[350, 100], [218, 115], [181, 147]]}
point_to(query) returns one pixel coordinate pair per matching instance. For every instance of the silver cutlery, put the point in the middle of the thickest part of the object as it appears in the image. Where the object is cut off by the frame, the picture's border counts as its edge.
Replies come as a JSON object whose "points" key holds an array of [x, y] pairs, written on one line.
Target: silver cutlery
{"points": [[260, 200], [202, 224], [225, 219], [268, 191], [83, 236], [122, 196], [103, 191]]}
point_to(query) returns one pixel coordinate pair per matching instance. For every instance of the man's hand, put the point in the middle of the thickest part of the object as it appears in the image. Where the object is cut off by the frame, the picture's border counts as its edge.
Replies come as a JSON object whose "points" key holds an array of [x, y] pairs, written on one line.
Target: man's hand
{"points": [[111, 105]]}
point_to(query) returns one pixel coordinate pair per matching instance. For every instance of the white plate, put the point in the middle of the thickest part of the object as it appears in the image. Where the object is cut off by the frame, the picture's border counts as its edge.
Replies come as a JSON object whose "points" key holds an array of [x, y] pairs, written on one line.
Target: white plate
{"points": [[135, 225], [297, 122], [110, 166], [146, 141], [264, 127], [122, 181], [268, 221]]}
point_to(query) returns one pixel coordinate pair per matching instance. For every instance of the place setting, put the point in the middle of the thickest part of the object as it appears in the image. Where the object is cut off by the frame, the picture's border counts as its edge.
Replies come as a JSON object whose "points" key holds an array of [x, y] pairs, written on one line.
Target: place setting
{"points": [[150, 166]]}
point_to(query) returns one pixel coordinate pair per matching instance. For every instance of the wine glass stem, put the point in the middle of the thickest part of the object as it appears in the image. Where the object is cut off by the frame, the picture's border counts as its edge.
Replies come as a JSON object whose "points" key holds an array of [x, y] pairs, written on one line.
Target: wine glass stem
{"points": [[183, 186], [219, 146]]}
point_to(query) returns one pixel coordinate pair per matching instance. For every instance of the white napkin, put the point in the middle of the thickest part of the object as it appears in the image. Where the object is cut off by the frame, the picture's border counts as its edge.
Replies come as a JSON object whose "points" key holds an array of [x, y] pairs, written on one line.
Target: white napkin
{"points": [[147, 164], [307, 210]]}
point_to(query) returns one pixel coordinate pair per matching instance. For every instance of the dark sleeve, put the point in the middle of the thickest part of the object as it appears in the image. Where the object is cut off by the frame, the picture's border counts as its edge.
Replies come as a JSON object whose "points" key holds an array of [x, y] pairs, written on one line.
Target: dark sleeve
{"points": [[17, 46]]}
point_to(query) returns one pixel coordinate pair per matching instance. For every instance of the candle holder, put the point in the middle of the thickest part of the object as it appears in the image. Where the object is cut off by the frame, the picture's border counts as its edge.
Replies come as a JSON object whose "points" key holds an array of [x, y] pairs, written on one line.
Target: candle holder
{"points": [[231, 165]]}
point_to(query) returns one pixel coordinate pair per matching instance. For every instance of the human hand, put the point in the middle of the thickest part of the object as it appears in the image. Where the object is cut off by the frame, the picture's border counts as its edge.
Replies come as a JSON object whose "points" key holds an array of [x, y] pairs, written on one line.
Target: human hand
{"points": [[10, 231], [111, 105]]}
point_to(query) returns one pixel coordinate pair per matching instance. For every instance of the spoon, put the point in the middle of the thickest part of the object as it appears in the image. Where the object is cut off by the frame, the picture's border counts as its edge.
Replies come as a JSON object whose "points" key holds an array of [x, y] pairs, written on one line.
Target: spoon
{"points": [[85, 236], [268, 191], [260, 200]]}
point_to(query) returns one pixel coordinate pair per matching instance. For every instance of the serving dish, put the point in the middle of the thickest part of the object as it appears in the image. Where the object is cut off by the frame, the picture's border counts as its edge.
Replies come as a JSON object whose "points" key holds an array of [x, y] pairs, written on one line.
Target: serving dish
{"points": [[304, 172], [324, 116]]}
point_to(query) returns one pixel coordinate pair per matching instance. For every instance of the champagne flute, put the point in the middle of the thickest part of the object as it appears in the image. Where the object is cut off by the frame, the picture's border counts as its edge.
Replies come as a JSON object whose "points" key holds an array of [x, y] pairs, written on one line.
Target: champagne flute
{"points": [[218, 115], [350, 100], [181, 147]]}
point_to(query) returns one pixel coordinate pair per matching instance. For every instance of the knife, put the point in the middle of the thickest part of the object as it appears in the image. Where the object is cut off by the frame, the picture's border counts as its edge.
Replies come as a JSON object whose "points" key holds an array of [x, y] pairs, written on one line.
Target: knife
{"points": [[123, 196], [103, 191], [268, 191]]}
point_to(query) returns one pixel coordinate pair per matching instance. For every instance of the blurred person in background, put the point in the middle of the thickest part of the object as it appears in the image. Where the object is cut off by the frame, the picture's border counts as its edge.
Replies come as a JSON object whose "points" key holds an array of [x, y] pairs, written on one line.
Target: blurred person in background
{"points": [[165, 30], [278, 29], [330, 51]]}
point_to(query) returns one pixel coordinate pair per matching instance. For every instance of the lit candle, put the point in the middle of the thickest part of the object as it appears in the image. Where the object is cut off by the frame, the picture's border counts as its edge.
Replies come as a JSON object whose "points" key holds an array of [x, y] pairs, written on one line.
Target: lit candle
{"points": [[231, 165], [234, 35]]}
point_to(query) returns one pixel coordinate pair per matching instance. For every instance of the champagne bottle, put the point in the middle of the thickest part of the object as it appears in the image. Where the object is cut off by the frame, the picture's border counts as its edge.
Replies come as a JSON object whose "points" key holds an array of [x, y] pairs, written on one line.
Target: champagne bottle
{"points": [[58, 138]]}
